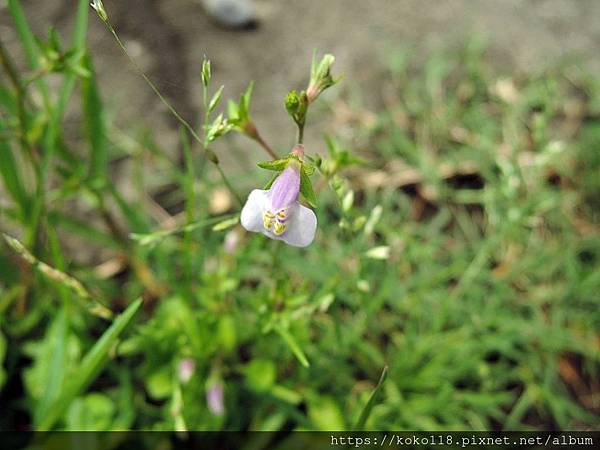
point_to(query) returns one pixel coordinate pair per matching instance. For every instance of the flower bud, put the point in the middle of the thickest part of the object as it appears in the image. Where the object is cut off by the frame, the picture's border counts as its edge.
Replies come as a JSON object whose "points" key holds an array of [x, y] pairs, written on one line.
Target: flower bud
{"points": [[98, 6], [214, 398], [186, 369]]}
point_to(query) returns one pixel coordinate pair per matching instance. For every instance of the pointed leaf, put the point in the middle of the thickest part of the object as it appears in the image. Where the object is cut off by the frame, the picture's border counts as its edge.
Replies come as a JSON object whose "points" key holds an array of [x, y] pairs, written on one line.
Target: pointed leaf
{"points": [[277, 165], [306, 188], [214, 101]]}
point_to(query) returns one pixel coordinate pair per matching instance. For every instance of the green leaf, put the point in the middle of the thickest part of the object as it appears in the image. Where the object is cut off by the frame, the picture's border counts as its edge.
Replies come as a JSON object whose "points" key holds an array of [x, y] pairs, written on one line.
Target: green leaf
{"points": [[89, 368], [159, 384], [93, 412], [216, 98], [308, 168], [325, 414], [95, 124], [206, 72], [244, 107], [233, 112], [291, 342], [2, 355], [364, 415], [260, 374], [12, 175], [277, 165], [227, 223], [306, 188], [57, 367], [62, 279]]}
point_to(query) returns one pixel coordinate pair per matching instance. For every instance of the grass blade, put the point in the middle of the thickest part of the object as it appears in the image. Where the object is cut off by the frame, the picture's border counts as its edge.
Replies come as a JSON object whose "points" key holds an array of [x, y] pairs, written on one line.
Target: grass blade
{"points": [[12, 176], [364, 415], [90, 367], [95, 125], [59, 277], [28, 41], [291, 342]]}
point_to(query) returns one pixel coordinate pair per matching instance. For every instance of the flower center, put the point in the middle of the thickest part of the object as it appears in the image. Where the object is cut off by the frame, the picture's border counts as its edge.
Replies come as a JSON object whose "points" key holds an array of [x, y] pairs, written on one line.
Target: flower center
{"points": [[275, 222]]}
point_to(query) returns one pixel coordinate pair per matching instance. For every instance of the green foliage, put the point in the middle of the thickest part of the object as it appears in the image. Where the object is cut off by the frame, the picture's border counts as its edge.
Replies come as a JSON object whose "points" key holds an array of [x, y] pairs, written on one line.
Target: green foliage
{"points": [[463, 256]]}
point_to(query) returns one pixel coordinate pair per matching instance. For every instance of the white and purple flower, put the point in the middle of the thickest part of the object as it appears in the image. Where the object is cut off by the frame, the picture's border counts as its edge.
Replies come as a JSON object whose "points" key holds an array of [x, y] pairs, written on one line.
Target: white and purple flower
{"points": [[276, 212]]}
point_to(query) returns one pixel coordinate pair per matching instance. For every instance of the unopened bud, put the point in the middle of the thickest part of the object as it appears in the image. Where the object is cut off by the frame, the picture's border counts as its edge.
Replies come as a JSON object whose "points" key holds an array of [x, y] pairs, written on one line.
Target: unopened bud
{"points": [[98, 6]]}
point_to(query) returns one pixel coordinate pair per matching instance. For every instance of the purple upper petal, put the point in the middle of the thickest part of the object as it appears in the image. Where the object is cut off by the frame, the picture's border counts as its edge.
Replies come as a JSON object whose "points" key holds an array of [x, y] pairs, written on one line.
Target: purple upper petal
{"points": [[214, 398], [286, 187]]}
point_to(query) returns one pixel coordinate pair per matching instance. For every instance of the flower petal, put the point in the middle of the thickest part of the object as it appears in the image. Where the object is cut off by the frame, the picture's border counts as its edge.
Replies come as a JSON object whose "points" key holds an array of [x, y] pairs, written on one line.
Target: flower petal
{"points": [[252, 212], [286, 187], [301, 228]]}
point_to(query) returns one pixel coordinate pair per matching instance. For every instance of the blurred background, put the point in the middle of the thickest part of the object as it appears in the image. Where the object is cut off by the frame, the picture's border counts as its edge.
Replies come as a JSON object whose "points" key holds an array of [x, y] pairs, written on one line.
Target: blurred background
{"points": [[458, 219]]}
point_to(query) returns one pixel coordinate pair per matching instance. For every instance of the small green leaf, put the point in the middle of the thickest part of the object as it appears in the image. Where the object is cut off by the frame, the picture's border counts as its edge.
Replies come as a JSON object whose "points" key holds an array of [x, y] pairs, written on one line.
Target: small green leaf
{"points": [[2, 355], [233, 112], [244, 106], [291, 342], [308, 168], [260, 374], [277, 165], [214, 101], [364, 415], [218, 128], [227, 223], [348, 201], [306, 188]]}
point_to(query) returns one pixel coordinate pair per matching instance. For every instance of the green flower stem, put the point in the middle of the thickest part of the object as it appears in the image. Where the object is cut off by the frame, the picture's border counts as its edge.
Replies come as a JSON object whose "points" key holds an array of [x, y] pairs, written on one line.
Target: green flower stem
{"points": [[301, 133]]}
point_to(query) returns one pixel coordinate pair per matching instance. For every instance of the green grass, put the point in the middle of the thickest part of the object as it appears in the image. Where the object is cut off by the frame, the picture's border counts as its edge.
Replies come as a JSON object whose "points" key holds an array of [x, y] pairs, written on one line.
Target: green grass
{"points": [[461, 251]]}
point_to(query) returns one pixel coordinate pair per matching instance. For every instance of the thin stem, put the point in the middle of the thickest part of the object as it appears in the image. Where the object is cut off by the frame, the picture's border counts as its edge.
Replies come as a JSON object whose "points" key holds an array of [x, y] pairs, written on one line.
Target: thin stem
{"points": [[172, 110], [301, 133], [152, 85], [11, 72]]}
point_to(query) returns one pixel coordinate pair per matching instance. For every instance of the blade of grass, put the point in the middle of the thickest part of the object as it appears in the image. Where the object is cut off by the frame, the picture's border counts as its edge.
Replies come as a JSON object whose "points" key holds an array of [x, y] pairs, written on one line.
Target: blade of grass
{"points": [[291, 342], [136, 220], [90, 367], [27, 39], [95, 125], [364, 415], [156, 236], [59, 277], [83, 229], [53, 130], [56, 373], [12, 176]]}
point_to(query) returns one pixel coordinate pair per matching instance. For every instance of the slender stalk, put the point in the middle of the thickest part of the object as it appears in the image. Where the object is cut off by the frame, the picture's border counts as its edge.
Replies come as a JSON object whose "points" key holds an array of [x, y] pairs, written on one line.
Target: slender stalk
{"points": [[11, 72], [301, 133], [165, 102]]}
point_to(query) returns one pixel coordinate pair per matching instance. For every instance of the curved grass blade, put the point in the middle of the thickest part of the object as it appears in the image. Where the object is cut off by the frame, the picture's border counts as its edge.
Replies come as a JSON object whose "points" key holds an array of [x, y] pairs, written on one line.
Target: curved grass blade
{"points": [[97, 308], [364, 415], [90, 367]]}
